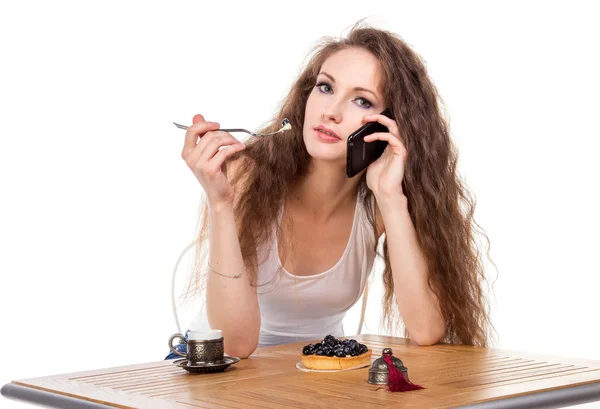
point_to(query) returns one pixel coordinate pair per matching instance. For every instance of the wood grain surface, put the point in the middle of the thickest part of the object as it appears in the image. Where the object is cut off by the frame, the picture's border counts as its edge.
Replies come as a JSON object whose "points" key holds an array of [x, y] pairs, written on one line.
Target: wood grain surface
{"points": [[452, 376]]}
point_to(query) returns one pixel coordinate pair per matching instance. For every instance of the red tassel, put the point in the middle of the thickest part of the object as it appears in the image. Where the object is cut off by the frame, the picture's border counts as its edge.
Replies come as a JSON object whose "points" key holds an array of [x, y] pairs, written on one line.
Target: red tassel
{"points": [[396, 380]]}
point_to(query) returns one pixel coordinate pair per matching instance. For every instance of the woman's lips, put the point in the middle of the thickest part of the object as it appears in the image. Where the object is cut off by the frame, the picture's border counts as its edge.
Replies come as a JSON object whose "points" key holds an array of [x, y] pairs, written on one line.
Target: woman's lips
{"points": [[325, 137]]}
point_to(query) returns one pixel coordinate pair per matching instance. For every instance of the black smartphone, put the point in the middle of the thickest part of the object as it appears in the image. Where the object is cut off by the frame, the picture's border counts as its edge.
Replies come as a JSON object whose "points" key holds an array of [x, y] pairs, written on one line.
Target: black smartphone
{"points": [[360, 154]]}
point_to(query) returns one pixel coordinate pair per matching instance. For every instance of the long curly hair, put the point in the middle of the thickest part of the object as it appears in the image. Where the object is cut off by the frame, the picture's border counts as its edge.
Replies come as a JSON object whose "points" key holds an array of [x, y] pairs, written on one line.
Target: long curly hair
{"points": [[440, 205]]}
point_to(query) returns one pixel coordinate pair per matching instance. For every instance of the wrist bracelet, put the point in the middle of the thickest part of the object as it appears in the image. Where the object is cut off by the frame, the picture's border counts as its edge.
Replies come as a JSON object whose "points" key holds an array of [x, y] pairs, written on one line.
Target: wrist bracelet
{"points": [[216, 272]]}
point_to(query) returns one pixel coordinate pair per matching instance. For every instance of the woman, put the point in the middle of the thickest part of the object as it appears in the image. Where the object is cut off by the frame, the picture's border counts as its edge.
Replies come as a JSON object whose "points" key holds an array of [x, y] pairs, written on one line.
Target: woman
{"points": [[281, 214]]}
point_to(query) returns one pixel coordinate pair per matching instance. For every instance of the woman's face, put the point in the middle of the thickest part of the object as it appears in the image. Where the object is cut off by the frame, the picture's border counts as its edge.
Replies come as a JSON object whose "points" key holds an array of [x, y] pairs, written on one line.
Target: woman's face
{"points": [[347, 89]]}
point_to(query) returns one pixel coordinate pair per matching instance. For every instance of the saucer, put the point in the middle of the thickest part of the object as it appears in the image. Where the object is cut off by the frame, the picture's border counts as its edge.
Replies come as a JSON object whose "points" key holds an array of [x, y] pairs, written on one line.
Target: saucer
{"points": [[206, 367]]}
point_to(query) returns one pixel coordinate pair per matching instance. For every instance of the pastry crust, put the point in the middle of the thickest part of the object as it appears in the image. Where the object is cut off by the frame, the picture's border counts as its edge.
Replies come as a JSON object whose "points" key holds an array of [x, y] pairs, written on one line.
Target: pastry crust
{"points": [[334, 362]]}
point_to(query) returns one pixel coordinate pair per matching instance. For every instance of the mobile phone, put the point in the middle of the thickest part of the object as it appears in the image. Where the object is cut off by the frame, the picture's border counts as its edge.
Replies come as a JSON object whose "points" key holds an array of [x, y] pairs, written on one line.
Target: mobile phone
{"points": [[360, 154]]}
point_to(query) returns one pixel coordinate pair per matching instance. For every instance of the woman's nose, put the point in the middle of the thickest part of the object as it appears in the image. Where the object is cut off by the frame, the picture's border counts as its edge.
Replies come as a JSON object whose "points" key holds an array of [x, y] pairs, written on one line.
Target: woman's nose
{"points": [[333, 114]]}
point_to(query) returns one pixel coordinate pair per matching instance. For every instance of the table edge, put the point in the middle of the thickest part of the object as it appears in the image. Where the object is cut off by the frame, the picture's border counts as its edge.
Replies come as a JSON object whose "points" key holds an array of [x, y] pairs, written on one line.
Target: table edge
{"points": [[40, 397], [555, 398]]}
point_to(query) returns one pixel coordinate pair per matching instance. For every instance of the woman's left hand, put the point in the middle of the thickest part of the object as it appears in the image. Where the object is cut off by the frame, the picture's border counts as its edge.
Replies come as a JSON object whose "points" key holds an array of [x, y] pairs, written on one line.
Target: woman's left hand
{"points": [[384, 176]]}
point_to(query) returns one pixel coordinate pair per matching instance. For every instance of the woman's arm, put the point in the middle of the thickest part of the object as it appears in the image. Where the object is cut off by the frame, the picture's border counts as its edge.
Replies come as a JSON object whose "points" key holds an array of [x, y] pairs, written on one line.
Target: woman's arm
{"points": [[418, 305], [232, 303]]}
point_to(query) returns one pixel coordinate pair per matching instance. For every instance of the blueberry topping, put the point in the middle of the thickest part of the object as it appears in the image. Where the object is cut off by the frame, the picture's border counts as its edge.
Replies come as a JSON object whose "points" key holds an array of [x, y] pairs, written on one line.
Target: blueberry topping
{"points": [[331, 346], [307, 350]]}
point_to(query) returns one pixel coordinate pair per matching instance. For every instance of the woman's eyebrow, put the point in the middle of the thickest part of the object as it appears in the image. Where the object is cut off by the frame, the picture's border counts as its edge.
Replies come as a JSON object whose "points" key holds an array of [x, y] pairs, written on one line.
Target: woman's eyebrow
{"points": [[355, 88]]}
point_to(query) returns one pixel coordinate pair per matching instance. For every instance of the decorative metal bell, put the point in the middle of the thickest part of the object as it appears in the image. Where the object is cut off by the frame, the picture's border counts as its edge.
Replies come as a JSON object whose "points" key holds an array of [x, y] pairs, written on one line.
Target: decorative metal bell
{"points": [[378, 373]]}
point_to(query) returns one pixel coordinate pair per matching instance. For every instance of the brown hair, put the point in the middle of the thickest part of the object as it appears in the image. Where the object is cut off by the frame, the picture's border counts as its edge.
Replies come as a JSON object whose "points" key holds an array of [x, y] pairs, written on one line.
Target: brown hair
{"points": [[440, 205]]}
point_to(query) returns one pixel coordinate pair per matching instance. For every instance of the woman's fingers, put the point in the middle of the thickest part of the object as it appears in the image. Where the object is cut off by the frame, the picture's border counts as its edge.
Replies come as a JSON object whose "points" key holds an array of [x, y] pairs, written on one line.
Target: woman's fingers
{"points": [[215, 165], [396, 144], [192, 134], [213, 141], [389, 123], [206, 157], [208, 147]]}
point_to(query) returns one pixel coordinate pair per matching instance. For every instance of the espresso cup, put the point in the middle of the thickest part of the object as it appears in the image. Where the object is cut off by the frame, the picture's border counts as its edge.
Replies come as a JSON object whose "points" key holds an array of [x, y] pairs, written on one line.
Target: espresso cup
{"points": [[202, 347]]}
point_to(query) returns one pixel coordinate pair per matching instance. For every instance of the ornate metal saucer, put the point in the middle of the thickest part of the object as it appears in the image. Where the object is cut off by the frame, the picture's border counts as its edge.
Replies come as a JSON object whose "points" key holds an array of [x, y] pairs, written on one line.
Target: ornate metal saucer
{"points": [[206, 367]]}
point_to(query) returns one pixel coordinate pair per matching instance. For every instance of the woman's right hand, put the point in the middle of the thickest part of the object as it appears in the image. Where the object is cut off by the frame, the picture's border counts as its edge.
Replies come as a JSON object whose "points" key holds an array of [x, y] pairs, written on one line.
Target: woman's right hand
{"points": [[207, 162]]}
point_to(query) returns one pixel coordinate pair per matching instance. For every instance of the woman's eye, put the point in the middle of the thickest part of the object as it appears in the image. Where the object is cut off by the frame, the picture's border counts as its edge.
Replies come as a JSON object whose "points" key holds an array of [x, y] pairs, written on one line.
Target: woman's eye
{"points": [[366, 104], [321, 85], [326, 89]]}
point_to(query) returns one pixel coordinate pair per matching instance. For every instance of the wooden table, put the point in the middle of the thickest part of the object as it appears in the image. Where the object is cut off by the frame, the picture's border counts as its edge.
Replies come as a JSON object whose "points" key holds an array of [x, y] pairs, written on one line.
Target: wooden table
{"points": [[454, 376]]}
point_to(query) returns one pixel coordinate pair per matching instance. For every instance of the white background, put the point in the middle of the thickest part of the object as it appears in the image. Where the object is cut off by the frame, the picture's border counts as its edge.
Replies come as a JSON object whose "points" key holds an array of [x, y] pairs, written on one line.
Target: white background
{"points": [[96, 203]]}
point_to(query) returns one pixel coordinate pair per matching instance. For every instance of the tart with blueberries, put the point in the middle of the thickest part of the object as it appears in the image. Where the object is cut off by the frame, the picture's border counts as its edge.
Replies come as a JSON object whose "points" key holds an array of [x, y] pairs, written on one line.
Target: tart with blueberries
{"points": [[335, 354]]}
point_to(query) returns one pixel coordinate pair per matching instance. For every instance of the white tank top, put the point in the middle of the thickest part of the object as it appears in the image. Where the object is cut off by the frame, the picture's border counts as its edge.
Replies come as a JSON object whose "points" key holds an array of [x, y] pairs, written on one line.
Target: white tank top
{"points": [[302, 308]]}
